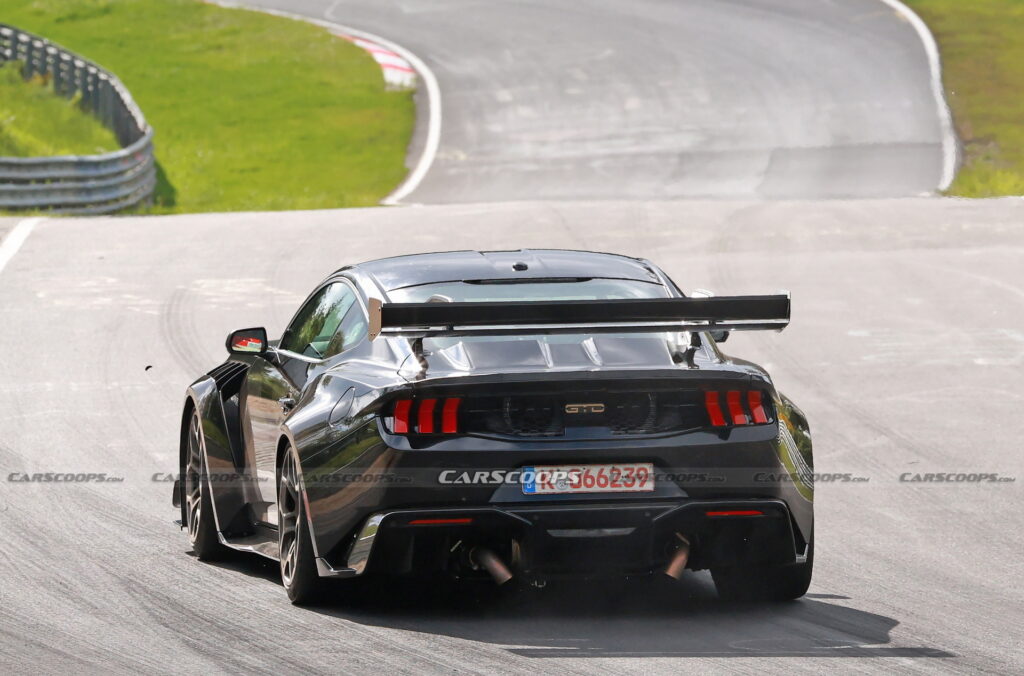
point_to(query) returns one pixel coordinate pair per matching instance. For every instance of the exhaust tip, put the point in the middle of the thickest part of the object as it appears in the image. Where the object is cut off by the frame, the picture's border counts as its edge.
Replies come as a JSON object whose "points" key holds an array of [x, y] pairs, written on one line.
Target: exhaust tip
{"points": [[677, 564], [482, 557]]}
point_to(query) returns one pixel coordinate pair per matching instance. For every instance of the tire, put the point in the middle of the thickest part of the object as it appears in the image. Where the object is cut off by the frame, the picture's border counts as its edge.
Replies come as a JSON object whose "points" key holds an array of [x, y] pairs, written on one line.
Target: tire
{"points": [[200, 520], [298, 562], [765, 583]]}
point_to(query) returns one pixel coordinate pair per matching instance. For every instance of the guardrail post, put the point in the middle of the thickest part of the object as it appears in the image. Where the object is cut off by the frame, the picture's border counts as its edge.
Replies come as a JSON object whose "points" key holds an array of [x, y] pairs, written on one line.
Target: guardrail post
{"points": [[24, 52]]}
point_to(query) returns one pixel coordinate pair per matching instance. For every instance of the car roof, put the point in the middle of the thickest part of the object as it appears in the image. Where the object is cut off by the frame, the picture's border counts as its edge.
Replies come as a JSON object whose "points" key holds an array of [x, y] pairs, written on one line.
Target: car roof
{"points": [[429, 268]]}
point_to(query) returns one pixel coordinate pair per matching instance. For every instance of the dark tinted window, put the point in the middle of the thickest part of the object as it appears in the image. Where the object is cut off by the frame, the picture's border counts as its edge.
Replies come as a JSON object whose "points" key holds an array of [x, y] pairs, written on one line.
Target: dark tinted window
{"points": [[314, 327], [351, 331], [586, 289]]}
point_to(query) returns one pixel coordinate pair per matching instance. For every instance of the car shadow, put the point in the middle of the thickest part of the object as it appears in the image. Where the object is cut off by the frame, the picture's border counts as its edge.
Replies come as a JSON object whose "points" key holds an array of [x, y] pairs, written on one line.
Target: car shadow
{"points": [[647, 617], [247, 564]]}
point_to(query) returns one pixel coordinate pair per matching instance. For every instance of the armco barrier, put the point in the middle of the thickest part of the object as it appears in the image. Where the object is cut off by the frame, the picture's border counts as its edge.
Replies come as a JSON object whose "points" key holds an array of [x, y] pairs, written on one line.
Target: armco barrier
{"points": [[78, 184]]}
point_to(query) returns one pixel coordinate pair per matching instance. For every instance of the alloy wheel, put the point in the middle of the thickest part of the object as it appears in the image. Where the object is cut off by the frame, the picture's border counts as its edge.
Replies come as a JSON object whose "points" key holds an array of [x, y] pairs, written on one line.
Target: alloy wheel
{"points": [[194, 473], [288, 515]]}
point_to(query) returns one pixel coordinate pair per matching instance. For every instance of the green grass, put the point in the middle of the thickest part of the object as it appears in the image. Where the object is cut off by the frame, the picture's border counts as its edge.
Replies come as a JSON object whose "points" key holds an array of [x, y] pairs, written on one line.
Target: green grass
{"points": [[34, 121], [982, 46], [251, 112]]}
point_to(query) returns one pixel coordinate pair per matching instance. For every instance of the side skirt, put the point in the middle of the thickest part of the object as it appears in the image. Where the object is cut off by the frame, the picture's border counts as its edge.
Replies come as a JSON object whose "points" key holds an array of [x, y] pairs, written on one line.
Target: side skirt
{"points": [[263, 542]]}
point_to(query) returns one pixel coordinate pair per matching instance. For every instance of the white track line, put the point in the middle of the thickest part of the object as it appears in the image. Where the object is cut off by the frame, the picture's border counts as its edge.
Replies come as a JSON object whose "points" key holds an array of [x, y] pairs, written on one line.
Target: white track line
{"points": [[433, 140], [949, 141], [15, 238]]}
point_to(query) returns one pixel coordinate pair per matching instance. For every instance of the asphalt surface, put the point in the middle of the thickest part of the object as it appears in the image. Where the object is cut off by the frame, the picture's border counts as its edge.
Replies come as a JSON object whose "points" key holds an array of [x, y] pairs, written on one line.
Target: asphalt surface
{"points": [[906, 339], [649, 99], [905, 350]]}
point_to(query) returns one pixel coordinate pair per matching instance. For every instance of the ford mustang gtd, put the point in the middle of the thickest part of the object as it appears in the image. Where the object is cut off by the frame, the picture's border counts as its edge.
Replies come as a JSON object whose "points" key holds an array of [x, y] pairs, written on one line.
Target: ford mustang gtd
{"points": [[514, 415]]}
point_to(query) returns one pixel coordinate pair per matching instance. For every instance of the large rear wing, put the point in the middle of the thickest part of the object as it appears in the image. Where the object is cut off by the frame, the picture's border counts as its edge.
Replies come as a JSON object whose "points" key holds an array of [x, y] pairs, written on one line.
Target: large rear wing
{"points": [[639, 315]]}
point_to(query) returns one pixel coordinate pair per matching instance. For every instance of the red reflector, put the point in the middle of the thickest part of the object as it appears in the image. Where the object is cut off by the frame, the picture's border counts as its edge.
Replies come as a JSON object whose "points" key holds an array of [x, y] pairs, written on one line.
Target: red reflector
{"points": [[449, 416], [714, 410], [736, 413], [756, 409], [402, 407], [425, 417], [438, 522], [736, 512]]}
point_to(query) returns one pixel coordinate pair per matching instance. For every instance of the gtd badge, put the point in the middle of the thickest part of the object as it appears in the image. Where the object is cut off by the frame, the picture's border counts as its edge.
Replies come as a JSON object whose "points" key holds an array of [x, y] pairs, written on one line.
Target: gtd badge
{"points": [[584, 408]]}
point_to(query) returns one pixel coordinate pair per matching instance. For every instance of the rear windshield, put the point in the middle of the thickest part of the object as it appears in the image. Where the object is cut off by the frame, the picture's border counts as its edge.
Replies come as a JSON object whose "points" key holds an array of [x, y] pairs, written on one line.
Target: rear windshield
{"points": [[570, 289]]}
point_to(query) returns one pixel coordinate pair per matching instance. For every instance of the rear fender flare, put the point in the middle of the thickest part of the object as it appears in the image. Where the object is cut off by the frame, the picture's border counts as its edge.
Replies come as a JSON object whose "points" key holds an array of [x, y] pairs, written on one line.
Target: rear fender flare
{"points": [[224, 480], [283, 444], [330, 512], [796, 456]]}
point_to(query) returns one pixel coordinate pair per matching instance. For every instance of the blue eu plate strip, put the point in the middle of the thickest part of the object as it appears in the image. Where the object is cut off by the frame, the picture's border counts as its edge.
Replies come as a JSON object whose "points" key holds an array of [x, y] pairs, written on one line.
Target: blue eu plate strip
{"points": [[530, 486]]}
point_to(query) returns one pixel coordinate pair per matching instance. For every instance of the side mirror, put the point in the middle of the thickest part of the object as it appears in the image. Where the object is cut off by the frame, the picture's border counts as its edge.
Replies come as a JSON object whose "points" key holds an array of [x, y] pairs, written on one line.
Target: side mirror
{"points": [[247, 341]]}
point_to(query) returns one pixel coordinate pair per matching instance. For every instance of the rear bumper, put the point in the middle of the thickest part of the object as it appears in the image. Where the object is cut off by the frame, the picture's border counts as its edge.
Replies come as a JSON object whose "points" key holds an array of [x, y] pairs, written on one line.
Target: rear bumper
{"points": [[594, 539]]}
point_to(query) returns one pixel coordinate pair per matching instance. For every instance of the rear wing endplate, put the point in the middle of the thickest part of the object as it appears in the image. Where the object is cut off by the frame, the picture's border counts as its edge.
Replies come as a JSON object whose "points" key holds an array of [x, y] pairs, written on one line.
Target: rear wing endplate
{"points": [[635, 315]]}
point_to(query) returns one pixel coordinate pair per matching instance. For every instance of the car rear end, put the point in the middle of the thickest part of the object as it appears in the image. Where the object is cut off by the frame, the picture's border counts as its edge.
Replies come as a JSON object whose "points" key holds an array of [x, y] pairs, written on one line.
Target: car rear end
{"points": [[578, 474], [572, 437]]}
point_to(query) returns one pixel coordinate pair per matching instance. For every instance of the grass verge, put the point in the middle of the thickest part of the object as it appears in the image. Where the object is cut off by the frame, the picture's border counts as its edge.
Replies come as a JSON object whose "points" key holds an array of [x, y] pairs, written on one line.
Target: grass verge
{"points": [[251, 112], [34, 121], [982, 46]]}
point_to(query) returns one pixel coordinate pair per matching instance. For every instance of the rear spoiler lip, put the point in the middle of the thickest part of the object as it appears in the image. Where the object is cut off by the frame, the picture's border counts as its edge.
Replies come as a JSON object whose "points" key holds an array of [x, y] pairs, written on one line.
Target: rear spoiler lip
{"points": [[606, 376], [641, 315]]}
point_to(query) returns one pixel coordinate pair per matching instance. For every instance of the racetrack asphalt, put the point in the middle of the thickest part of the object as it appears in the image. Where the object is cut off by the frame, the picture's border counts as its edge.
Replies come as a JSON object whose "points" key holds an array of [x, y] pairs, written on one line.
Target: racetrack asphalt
{"points": [[649, 99], [907, 331], [907, 334], [5, 226]]}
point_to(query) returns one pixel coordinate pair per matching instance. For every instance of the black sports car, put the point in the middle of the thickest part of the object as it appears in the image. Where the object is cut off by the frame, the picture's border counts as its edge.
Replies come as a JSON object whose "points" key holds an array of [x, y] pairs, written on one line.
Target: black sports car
{"points": [[512, 414]]}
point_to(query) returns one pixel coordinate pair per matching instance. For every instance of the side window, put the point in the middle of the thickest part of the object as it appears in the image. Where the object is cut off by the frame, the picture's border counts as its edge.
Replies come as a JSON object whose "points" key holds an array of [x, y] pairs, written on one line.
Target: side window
{"points": [[318, 321], [351, 331]]}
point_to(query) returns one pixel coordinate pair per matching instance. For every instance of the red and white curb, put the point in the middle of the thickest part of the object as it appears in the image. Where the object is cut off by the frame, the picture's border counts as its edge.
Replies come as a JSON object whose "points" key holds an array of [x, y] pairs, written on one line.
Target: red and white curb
{"points": [[398, 73]]}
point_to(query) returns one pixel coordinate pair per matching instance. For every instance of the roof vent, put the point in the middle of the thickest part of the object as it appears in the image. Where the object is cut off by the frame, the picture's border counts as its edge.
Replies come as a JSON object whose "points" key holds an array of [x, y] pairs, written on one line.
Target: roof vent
{"points": [[520, 266]]}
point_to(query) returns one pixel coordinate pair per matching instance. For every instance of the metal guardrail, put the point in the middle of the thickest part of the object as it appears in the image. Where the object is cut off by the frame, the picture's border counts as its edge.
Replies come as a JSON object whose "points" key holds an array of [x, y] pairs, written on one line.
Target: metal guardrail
{"points": [[78, 184]]}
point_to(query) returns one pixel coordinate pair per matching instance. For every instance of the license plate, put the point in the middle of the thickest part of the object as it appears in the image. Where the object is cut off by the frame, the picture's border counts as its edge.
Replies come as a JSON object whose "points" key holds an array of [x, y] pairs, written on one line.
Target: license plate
{"points": [[619, 477]]}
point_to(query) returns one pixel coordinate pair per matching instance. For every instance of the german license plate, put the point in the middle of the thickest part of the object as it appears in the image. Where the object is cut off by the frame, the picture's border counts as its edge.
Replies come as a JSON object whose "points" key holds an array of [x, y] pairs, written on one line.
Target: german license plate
{"points": [[619, 477]]}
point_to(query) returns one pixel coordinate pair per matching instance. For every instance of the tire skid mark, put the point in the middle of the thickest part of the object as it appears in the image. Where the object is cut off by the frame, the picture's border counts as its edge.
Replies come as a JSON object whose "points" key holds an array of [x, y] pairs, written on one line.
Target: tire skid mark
{"points": [[834, 399], [171, 610], [179, 333]]}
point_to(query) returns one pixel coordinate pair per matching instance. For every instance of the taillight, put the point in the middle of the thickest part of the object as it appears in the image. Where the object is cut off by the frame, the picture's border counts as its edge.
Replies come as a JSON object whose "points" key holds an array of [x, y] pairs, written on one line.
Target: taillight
{"points": [[450, 416], [736, 414], [426, 416], [756, 408], [402, 408], [735, 512], [743, 408], [714, 409], [441, 522]]}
